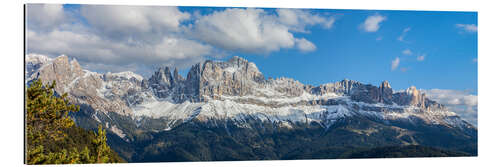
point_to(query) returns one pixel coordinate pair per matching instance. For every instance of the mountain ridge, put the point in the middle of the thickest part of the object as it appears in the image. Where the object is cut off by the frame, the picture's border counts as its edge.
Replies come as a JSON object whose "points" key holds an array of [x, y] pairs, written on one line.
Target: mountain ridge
{"points": [[215, 80], [234, 93]]}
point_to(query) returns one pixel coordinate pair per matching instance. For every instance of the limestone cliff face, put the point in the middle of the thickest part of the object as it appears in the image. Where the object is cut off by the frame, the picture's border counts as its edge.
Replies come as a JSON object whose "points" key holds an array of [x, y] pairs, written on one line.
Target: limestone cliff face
{"points": [[209, 80], [412, 96], [385, 93], [103, 92], [343, 87], [162, 82], [61, 71], [238, 77]]}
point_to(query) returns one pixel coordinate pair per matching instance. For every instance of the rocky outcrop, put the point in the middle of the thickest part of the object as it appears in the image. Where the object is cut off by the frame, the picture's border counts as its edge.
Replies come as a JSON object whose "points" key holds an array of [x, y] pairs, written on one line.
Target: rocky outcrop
{"points": [[287, 86], [412, 96], [208, 80], [385, 93], [366, 93], [103, 92], [343, 87], [161, 82], [236, 77]]}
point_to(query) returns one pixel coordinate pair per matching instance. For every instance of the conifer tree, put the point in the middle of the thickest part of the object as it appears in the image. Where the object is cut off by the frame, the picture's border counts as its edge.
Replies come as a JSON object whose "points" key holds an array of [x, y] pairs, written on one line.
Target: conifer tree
{"points": [[48, 130], [103, 149]]}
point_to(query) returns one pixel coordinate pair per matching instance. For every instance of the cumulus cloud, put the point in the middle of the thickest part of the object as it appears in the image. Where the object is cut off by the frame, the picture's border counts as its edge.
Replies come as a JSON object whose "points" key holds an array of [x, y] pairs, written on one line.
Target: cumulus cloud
{"points": [[403, 34], [109, 38], [44, 16], [255, 30], [395, 63], [93, 48], [461, 102], [305, 45], [372, 23], [467, 27], [144, 23], [297, 20]]}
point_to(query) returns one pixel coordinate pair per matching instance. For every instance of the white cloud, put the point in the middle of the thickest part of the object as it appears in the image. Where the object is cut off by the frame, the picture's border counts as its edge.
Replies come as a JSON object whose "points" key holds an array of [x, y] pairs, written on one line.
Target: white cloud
{"points": [[44, 16], [372, 23], [461, 102], [395, 63], [467, 27], [92, 48], [474, 60], [144, 23], [421, 57], [297, 20], [113, 37], [255, 30], [305, 45], [403, 34], [407, 52]]}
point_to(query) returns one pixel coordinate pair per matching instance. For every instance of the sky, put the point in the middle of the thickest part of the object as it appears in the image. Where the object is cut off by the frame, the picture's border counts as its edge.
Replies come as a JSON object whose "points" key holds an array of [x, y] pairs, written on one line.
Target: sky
{"points": [[434, 51]]}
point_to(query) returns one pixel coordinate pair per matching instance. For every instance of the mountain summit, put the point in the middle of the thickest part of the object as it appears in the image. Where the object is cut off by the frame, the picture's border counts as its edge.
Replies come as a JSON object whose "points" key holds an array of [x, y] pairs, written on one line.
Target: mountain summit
{"points": [[235, 96]]}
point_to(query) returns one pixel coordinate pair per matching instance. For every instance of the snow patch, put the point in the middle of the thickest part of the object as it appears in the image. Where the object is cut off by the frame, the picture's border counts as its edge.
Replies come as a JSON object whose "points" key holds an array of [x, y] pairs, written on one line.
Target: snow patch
{"points": [[117, 131], [230, 69], [127, 75], [37, 58]]}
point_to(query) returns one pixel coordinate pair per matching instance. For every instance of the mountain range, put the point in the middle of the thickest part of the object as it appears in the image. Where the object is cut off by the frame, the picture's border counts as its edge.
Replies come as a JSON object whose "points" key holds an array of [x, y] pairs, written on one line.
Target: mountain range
{"points": [[228, 110]]}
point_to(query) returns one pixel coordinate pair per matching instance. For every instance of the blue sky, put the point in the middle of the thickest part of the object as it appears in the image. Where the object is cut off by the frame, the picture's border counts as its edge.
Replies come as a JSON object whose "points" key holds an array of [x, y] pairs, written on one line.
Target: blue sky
{"points": [[432, 50], [345, 51]]}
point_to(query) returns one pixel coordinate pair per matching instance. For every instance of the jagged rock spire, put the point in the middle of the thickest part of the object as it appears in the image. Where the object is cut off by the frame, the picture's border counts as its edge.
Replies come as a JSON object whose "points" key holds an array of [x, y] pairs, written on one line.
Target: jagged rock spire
{"points": [[177, 78], [385, 93], [161, 82]]}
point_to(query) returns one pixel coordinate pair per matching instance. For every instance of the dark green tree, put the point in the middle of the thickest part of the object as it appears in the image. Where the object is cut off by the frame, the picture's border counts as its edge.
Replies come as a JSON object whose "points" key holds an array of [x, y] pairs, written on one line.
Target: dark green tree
{"points": [[50, 130], [102, 148]]}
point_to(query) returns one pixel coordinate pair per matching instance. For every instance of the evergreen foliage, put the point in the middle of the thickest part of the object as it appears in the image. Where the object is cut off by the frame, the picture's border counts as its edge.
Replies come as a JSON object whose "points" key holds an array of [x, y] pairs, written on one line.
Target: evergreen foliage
{"points": [[52, 136]]}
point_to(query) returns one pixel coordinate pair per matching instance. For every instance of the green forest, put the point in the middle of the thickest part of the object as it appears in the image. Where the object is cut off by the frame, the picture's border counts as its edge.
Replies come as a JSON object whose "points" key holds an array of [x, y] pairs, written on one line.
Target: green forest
{"points": [[52, 137]]}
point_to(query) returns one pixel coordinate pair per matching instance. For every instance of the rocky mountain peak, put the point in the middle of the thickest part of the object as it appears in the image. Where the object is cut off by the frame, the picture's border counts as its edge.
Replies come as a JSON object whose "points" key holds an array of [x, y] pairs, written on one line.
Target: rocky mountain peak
{"points": [[37, 59], [385, 93], [162, 82], [412, 90], [416, 98], [411, 96], [237, 61], [34, 62], [385, 84], [60, 70], [235, 77]]}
